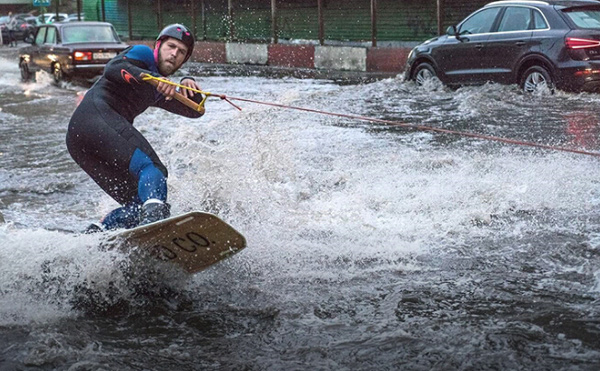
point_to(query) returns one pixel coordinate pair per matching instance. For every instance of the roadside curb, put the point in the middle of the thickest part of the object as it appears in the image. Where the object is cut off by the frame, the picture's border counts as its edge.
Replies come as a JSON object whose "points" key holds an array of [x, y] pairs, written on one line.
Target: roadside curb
{"points": [[340, 58]]}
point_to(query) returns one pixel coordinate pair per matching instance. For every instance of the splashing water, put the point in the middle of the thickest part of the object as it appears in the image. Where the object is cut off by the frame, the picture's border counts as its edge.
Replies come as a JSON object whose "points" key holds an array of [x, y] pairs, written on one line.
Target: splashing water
{"points": [[369, 247]]}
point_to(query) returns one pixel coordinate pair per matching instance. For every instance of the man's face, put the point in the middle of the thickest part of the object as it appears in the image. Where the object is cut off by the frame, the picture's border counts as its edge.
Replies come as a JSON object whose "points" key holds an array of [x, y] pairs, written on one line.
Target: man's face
{"points": [[171, 55]]}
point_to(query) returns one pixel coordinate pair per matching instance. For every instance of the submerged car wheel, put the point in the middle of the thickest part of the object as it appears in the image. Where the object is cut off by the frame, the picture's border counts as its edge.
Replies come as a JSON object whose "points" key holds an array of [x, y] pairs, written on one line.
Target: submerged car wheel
{"points": [[424, 73], [537, 79], [25, 74], [57, 73]]}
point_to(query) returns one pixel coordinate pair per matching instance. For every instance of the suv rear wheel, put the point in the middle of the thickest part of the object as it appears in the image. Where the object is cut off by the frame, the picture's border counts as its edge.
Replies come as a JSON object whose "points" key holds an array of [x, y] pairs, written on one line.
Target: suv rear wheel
{"points": [[424, 73], [537, 78]]}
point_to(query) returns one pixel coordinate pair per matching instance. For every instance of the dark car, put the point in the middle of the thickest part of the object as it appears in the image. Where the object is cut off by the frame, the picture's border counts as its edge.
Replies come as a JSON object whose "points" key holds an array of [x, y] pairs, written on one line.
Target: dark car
{"points": [[531, 43], [33, 21], [67, 50], [23, 31]]}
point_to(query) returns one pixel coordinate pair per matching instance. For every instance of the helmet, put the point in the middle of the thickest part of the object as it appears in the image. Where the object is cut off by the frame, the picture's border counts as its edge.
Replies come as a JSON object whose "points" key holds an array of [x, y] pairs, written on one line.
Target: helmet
{"points": [[179, 32]]}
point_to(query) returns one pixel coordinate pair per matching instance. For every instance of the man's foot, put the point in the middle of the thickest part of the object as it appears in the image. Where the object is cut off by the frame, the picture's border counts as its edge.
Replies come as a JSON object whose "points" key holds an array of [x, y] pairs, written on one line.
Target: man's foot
{"points": [[155, 210]]}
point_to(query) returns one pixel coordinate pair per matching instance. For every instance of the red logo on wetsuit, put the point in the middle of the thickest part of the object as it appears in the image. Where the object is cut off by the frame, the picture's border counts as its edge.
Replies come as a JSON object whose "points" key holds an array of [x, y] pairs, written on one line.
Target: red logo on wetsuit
{"points": [[128, 77]]}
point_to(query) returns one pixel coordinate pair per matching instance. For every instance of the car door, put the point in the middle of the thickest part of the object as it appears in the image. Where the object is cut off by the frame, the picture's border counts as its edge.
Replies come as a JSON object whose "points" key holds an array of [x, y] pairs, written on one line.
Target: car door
{"points": [[462, 57], [511, 41], [47, 54], [37, 62]]}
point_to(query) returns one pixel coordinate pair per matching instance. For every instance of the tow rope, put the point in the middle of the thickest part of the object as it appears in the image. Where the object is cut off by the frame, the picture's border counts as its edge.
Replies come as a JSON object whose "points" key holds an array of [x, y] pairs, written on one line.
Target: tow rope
{"points": [[200, 107]]}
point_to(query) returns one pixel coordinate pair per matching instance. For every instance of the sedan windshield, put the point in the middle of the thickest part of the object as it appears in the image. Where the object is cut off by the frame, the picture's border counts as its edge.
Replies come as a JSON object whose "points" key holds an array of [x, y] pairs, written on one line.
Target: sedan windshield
{"points": [[4, 19], [584, 18], [89, 34]]}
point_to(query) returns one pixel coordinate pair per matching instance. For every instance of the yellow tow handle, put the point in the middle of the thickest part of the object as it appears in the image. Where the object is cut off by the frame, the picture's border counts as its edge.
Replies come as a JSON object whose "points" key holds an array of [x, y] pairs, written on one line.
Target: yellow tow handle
{"points": [[199, 107]]}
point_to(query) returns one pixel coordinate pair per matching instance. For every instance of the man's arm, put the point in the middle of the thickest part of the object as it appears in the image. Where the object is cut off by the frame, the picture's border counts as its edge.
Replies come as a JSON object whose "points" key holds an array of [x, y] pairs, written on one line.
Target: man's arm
{"points": [[127, 69]]}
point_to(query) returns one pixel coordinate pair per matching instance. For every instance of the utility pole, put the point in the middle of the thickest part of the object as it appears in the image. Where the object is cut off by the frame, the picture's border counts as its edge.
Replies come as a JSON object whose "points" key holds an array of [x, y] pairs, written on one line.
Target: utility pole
{"points": [[440, 16], [230, 17], [274, 27], [129, 20], [79, 10], [373, 23], [193, 9], [160, 19], [203, 6], [321, 22]]}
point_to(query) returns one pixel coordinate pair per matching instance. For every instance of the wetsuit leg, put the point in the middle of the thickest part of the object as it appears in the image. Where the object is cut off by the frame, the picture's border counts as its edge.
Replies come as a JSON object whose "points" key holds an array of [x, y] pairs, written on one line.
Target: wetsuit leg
{"points": [[103, 143]]}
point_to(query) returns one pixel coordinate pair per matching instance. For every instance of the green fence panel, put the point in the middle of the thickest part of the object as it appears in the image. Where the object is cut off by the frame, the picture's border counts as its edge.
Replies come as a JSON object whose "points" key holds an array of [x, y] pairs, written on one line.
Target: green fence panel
{"points": [[344, 20], [253, 25], [298, 20]]}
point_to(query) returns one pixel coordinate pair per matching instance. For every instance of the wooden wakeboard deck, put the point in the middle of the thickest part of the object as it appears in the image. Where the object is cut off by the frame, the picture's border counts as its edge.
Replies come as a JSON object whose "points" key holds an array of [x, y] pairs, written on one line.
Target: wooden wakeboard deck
{"points": [[194, 241]]}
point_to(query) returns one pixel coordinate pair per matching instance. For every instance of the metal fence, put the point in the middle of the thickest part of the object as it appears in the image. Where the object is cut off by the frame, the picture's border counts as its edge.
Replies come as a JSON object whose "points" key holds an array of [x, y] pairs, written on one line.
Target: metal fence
{"points": [[276, 21]]}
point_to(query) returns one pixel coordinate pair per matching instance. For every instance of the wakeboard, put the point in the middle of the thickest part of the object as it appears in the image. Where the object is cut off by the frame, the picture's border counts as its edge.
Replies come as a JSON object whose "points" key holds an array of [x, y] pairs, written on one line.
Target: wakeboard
{"points": [[193, 241]]}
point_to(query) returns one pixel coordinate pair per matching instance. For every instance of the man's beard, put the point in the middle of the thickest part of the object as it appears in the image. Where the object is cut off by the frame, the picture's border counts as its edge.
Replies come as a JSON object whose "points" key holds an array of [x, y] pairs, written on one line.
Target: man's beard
{"points": [[167, 69]]}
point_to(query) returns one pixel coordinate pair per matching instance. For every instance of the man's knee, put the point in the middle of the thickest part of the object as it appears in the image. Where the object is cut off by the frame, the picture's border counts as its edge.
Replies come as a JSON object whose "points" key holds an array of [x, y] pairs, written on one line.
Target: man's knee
{"points": [[141, 161], [152, 182]]}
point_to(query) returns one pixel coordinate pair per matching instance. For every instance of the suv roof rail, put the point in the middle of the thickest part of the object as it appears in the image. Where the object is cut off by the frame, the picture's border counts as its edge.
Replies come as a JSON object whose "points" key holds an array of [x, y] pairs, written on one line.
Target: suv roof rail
{"points": [[519, 1]]}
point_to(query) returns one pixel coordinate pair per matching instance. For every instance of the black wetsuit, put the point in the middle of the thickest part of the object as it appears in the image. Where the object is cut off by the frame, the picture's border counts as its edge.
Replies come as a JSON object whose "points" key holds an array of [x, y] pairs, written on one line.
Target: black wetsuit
{"points": [[102, 140]]}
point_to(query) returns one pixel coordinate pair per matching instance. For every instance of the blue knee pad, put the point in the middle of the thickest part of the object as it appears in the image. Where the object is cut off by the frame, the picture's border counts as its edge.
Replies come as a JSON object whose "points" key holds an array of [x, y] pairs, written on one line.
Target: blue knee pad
{"points": [[152, 183]]}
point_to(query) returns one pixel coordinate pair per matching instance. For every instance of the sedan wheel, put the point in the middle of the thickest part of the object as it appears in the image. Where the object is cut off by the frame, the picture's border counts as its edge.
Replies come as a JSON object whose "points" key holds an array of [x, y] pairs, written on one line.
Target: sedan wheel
{"points": [[57, 73], [537, 79], [25, 74]]}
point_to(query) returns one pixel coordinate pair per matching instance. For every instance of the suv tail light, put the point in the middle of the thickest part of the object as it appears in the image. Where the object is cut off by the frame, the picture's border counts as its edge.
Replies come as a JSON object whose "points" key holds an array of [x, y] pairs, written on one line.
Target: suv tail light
{"points": [[576, 43], [82, 56], [586, 72]]}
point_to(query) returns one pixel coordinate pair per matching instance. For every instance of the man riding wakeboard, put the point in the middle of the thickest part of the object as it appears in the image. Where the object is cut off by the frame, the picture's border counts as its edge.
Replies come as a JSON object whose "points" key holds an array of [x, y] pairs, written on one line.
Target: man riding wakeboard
{"points": [[103, 142]]}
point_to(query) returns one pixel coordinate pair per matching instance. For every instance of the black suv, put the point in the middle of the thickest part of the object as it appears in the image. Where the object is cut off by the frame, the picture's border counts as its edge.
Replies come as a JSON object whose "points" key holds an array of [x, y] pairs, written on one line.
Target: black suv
{"points": [[531, 43]]}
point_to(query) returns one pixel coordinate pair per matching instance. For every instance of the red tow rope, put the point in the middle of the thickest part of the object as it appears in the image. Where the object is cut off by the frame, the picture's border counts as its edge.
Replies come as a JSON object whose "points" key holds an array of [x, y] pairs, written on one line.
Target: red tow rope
{"points": [[417, 127], [200, 107]]}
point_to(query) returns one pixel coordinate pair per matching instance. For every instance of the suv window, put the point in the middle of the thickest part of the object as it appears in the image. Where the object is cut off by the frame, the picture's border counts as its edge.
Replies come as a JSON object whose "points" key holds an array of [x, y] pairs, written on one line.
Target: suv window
{"points": [[584, 18], [480, 22], [540, 22], [515, 19]]}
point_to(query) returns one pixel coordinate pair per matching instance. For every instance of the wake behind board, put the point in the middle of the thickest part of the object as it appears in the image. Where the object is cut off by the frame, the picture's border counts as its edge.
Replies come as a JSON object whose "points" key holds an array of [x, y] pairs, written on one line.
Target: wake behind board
{"points": [[193, 241]]}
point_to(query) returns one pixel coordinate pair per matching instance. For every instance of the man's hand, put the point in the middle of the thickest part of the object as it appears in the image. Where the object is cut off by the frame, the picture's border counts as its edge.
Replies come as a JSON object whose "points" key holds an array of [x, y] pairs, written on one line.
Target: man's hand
{"points": [[167, 90], [189, 83]]}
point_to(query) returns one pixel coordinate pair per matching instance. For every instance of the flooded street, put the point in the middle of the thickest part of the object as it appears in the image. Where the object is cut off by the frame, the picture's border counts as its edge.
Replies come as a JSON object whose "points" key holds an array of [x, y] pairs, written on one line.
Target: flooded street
{"points": [[370, 247]]}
